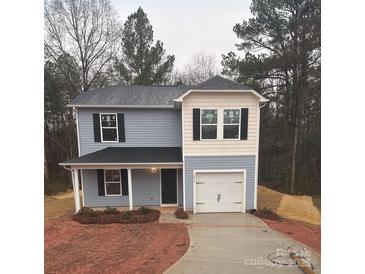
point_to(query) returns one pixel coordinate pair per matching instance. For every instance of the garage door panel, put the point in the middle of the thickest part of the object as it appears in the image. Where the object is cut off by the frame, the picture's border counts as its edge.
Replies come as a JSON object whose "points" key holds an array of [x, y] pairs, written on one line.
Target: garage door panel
{"points": [[222, 208], [219, 192]]}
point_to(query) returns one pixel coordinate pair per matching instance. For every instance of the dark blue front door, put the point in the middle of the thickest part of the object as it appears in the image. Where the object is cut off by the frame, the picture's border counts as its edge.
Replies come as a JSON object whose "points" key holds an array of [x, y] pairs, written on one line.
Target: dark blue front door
{"points": [[168, 186]]}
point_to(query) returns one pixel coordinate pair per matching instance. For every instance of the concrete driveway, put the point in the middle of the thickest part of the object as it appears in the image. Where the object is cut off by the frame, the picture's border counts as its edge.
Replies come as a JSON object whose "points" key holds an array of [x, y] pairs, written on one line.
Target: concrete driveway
{"points": [[235, 243]]}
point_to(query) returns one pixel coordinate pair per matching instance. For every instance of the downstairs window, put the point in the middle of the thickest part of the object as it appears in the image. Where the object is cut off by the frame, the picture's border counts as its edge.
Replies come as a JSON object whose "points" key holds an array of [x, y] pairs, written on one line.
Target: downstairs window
{"points": [[112, 182]]}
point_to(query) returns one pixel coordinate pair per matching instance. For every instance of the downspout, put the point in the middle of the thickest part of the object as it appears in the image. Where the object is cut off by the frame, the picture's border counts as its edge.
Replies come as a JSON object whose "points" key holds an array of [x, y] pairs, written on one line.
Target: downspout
{"points": [[257, 155]]}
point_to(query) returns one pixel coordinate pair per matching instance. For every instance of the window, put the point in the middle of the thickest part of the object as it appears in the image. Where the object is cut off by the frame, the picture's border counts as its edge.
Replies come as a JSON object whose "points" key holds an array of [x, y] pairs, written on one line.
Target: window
{"points": [[231, 124], [109, 128], [112, 182], [209, 118]]}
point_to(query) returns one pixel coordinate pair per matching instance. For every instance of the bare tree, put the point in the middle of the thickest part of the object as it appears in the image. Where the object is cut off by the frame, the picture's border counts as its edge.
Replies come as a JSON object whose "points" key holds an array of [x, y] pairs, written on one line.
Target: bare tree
{"points": [[88, 30], [199, 68]]}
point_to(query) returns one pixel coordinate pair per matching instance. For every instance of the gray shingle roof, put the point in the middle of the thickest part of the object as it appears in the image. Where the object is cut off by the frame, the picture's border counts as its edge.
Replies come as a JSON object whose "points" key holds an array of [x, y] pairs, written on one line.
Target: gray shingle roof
{"points": [[123, 95], [218, 82], [154, 95], [113, 155]]}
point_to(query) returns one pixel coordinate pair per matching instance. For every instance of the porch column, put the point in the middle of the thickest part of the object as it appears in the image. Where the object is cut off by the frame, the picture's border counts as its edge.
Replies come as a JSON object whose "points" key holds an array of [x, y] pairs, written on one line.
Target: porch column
{"points": [[130, 194], [76, 186]]}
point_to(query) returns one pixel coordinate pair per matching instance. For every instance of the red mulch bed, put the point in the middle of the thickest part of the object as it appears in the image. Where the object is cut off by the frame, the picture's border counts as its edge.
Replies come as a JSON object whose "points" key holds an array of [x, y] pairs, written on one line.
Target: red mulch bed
{"points": [[300, 231], [71, 247]]}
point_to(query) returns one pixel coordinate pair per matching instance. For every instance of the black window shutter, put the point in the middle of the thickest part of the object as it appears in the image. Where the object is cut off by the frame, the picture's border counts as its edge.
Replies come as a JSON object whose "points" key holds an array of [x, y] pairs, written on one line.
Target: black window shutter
{"points": [[121, 130], [100, 178], [96, 120], [196, 123], [124, 175], [244, 123]]}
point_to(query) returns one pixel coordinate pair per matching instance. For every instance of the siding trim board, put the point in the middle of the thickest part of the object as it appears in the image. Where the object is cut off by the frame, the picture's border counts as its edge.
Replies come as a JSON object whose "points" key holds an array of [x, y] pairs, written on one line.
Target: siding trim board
{"points": [[77, 132], [257, 155], [183, 153]]}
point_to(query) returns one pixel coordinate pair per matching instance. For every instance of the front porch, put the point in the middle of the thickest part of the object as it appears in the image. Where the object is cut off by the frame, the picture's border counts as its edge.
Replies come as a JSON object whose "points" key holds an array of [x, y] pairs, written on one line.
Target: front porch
{"points": [[109, 178]]}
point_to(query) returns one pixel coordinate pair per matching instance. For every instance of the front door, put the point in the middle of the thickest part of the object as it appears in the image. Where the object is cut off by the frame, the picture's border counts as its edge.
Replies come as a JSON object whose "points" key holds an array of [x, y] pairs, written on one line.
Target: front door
{"points": [[168, 186]]}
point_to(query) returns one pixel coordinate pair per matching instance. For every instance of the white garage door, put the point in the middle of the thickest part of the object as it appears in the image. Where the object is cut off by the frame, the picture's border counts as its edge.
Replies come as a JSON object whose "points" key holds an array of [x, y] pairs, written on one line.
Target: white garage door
{"points": [[219, 191]]}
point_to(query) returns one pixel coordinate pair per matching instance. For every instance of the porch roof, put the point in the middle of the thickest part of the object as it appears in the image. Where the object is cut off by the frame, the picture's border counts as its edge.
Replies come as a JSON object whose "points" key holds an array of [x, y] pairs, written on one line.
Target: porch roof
{"points": [[129, 155]]}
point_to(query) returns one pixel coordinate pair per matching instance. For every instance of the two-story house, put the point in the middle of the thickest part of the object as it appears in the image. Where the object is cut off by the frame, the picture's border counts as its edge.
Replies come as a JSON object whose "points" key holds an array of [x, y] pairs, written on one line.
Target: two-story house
{"points": [[195, 147]]}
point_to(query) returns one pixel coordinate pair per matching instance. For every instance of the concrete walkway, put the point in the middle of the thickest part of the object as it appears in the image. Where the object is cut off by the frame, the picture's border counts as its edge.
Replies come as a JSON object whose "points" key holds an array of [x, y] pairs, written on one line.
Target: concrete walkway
{"points": [[234, 243]]}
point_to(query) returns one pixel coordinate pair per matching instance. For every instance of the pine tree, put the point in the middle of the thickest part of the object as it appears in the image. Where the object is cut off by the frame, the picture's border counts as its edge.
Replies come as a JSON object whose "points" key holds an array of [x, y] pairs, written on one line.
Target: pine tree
{"points": [[283, 51], [141, 62]]}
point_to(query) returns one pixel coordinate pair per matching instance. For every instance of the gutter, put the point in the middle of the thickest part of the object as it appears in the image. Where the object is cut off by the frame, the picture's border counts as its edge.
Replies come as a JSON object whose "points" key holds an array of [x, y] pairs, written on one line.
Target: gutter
{"points": [[120, 106], [117, 164]]}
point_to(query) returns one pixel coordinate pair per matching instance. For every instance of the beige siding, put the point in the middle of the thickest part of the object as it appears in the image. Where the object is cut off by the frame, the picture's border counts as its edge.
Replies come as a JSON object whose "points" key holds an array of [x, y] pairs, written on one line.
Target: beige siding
{"points": [[220, 101]]}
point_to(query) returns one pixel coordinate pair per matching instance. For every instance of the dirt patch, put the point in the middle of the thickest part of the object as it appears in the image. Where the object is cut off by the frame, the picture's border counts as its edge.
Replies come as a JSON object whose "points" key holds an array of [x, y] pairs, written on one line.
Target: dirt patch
{"points": [[71, 247], [302, 232], [295, 207]]}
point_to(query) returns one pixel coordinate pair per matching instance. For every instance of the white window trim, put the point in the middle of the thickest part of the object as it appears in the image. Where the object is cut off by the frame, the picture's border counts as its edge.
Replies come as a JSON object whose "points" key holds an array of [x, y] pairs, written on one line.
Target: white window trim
{"points": [[239, 124], [201, 123], [120, 183], [116, 127]]}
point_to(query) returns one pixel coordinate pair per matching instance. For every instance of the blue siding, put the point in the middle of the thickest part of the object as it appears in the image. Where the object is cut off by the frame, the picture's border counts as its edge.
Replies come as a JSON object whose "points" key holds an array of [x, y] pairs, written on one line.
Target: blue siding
{"points": [[220, 162], [143, 128], [145, 186]]}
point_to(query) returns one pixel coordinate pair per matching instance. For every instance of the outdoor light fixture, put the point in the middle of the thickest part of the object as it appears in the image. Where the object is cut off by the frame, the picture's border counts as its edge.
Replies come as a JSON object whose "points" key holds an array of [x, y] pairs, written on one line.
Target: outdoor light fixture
{"points": [[153, 170]]}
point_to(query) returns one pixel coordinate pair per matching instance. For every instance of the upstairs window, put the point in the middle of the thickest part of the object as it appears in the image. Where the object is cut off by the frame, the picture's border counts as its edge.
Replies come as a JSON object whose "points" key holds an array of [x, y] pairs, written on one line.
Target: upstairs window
{"points": [[209, 120], [231, 124], [112, 182], [109, 127]]}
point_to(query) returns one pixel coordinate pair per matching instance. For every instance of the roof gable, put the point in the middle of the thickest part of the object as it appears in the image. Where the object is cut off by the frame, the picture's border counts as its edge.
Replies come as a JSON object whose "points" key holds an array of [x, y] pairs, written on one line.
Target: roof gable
{"points": [[218, 82]]}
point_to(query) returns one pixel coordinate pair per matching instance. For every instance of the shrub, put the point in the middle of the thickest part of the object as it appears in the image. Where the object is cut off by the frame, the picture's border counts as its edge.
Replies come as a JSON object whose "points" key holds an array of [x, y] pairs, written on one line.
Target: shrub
{"points": [[87, 211], [266, 210], [144, 210], [126, 215], [181, 214], [266, 213], [111, 210], [252, 211], [111, 215]]}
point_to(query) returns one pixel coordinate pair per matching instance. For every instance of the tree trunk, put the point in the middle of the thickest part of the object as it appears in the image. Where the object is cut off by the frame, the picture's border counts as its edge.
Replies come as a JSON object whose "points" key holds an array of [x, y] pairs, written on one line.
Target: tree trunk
{"points": [[47, 147], [46, 172], [293, 155]]}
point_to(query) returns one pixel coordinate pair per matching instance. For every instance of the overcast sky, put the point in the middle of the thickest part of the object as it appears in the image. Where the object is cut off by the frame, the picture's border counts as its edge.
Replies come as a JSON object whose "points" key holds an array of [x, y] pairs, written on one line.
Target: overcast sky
{"points": [[191, 26]]}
